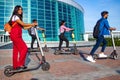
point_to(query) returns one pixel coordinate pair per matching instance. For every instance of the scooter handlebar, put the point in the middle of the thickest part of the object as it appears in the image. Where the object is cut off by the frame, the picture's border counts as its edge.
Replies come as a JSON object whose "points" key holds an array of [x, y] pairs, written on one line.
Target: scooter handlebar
{"points": [[43, 30], [72, 30], [112, 29]]}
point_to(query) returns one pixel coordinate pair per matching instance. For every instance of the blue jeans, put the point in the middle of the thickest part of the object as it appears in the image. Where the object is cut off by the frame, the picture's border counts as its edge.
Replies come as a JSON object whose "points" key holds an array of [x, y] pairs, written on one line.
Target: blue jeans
{"points": [[99, 40]]}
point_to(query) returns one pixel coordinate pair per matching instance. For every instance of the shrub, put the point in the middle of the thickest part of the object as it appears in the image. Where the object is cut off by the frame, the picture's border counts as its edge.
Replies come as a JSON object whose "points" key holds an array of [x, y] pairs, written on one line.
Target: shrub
{"points": [[109, 40]]}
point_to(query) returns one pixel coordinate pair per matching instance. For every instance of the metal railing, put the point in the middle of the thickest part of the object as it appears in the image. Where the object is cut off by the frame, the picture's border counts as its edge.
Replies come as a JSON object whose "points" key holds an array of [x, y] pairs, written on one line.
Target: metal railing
{"points": [[89, 34], [4, 37]]}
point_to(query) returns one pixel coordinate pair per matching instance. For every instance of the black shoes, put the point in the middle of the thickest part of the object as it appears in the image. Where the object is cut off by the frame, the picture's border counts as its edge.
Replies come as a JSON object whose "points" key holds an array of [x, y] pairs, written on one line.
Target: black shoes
{"points": [[21, 68], [24, 67]]}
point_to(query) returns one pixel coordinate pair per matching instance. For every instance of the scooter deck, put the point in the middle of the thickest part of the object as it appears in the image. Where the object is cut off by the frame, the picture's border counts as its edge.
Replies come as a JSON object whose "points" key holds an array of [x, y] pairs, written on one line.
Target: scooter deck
{"points": [[66, 52], [108, 57], [62, 52], [34, 50], [21, 70]]}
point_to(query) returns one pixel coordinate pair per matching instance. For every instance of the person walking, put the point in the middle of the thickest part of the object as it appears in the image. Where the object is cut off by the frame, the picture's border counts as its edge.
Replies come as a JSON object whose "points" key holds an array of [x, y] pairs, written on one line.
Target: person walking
{"points": [[19, 46], [62, 37], [104, 30]]}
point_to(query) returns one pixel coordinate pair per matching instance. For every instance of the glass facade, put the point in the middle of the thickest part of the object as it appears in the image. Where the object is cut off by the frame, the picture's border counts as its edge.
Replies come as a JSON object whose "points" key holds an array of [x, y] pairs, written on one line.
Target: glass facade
{"points": [[49, 14]]}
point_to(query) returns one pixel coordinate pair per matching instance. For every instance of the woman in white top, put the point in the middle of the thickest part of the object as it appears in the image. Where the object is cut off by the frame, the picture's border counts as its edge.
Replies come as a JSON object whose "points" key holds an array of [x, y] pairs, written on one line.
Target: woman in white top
{"points": [[19, 46]]}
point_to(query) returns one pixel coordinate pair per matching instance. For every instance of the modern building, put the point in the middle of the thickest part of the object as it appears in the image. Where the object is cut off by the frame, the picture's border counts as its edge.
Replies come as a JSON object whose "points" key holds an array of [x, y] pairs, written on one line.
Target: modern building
{"points": [[49, 13]]}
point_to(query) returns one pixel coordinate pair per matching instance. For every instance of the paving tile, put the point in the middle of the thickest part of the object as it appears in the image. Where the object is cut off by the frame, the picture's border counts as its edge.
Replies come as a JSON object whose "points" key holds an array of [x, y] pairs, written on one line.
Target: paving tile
{"points": [[70, 68], [4, 61], [66, 67], [109, 62], [113, 77]]}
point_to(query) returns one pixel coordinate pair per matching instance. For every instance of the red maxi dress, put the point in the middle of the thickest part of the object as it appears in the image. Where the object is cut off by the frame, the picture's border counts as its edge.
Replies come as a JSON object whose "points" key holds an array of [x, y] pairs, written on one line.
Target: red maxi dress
{"points": [[19, 46]]}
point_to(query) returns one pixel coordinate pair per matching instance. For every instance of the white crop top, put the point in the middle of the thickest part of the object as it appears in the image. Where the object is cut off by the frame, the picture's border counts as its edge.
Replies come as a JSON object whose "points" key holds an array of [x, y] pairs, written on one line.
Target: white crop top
{"points": [[15, 17]]}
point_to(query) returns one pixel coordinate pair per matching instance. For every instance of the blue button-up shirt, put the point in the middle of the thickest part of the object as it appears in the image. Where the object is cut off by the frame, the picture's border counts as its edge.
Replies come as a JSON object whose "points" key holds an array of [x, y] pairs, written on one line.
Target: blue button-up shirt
{"points": [[104, 27]]}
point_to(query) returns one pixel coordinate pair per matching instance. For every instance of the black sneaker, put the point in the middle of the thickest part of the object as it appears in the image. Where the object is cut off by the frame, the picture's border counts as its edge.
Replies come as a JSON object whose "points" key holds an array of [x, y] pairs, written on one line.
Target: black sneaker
{"points": [[21, 68], [24, 67]]}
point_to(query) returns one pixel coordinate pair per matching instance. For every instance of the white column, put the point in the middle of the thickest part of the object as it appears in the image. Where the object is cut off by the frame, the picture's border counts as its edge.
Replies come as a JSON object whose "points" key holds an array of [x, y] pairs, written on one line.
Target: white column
{"points": [[85, 37]]}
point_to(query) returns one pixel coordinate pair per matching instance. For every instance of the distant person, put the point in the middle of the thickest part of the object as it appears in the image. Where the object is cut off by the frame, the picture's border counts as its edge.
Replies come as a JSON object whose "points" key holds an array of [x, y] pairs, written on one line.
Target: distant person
{"points": [[32, 33], [62, 37], [104, 30], [19, 46]]}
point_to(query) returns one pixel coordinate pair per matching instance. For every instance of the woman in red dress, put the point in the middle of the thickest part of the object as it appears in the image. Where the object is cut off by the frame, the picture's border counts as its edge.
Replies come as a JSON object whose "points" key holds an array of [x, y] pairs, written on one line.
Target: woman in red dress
{"points": [[19, 46]]}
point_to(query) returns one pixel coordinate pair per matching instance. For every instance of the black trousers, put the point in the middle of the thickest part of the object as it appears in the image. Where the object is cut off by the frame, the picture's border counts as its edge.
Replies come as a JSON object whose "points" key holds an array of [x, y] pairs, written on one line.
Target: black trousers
{"points": [[33, 40], [63, 38]]}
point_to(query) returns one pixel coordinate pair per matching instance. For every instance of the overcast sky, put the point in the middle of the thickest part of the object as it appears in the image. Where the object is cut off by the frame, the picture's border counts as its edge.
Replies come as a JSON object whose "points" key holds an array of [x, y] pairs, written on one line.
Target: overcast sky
{"points": [[93, 9]]}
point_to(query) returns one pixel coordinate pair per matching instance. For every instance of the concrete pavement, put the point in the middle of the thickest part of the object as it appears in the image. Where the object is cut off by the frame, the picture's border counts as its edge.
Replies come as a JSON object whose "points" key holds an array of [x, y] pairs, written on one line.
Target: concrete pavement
{"points": [[65, 67]]}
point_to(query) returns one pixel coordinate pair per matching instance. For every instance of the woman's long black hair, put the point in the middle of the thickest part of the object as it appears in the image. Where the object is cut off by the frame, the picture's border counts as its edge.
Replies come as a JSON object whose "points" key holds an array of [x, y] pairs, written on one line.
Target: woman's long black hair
{"points": [[62, 22], [15, 12]]}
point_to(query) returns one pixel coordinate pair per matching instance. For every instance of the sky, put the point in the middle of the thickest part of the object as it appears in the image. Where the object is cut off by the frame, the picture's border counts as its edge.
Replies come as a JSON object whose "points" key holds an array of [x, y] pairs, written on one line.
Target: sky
{"points": [[93, 9]]}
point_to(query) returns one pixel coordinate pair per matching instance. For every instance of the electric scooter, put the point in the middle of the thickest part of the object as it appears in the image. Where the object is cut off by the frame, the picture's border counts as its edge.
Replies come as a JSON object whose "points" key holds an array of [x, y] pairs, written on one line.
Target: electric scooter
{"points": [[72, 50], [113, 55], [9, 71], [46, 49]]}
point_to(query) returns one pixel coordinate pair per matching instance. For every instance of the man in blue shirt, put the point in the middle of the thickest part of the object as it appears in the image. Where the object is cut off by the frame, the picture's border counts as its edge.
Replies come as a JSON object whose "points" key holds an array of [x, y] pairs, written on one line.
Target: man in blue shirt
{"points": [[104, 30]]}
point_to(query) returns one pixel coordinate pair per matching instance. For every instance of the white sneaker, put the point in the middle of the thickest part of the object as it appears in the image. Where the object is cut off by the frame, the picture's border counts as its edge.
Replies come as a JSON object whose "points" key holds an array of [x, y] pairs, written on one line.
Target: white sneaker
{"points": [[102, 55], [90, 58]]}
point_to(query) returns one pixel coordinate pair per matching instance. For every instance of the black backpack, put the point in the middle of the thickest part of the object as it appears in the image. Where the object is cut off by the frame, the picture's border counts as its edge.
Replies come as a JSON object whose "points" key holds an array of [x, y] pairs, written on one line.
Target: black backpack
{"points": [[96, 30]]}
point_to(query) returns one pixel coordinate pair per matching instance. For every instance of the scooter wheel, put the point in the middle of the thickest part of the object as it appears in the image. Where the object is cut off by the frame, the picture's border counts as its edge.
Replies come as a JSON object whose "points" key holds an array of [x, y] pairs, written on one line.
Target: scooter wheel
{"points": [[57, 52], [7, 71], [76, 52], [115, 57], [45, 49], [45, 66], [95, 56]]}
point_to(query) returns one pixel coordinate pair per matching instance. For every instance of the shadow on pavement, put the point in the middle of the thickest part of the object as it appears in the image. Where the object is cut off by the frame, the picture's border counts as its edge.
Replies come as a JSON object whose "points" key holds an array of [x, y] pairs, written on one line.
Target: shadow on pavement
{"points": [[7, 46], [82, 55], [34, 79], [118, 71]]}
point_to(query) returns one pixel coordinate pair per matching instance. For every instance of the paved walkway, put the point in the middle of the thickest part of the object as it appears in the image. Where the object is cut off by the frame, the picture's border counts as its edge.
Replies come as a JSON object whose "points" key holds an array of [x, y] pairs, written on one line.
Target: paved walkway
{"points": [[65, 67]]}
